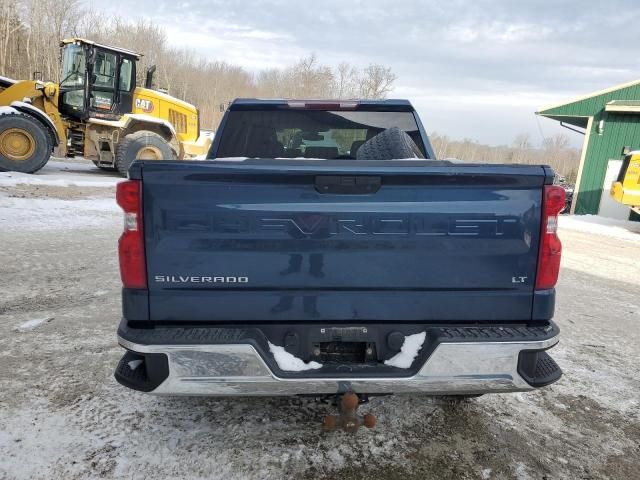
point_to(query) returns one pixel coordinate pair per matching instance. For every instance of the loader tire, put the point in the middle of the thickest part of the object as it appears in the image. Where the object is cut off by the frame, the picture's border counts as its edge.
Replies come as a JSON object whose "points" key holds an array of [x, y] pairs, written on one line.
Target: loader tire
{"points": [[390, 144], [25, 143], [141, 145]]}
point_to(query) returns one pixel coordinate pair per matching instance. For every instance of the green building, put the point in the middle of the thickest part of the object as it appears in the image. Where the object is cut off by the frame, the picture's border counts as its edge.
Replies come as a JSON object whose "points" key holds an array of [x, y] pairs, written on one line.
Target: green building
{"points": [[611, 122]]}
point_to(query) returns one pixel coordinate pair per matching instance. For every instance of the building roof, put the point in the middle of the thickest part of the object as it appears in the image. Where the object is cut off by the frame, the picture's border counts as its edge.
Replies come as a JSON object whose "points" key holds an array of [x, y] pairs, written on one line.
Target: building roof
{"points": [[577, 111]]}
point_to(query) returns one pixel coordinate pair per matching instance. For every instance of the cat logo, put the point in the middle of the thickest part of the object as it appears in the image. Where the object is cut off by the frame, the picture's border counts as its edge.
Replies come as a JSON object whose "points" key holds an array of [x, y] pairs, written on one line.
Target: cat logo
{"points": [[145, 105]]}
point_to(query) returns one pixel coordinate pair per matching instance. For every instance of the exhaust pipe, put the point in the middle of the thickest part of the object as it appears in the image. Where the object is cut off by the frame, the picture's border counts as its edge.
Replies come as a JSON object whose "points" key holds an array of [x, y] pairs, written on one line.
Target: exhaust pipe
{"points": [[148, 82]]}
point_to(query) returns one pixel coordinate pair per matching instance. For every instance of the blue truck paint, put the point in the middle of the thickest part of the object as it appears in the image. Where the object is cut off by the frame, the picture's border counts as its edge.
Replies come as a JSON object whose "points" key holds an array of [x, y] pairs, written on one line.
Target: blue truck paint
{"points": [[433, 243], [258, 251]]}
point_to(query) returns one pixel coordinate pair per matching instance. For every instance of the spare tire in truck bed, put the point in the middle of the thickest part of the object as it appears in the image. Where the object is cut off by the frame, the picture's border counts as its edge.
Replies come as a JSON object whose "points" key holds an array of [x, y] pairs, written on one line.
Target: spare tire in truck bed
{"points": [[389, 144]]}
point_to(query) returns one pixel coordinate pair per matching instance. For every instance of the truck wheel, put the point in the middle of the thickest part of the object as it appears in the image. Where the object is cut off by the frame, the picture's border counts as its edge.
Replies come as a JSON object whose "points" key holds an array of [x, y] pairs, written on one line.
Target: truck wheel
{"points": [[390, 144], [25, 144], [142, 145]]}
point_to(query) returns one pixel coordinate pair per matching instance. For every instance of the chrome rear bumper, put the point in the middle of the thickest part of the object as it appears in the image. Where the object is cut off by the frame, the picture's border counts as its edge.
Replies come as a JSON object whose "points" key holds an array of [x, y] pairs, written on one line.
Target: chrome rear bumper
{"points": [[239, 370]]}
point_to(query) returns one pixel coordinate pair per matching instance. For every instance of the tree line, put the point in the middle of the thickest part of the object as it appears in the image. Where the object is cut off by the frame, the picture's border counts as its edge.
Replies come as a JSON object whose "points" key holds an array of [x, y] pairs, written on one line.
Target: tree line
{"points": [[554, 151], [30, 31]]}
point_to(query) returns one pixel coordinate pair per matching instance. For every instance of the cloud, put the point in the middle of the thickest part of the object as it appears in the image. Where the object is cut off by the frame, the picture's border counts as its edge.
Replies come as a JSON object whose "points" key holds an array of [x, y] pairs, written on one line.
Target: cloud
{"points": [[461, 61], [235, 44]]}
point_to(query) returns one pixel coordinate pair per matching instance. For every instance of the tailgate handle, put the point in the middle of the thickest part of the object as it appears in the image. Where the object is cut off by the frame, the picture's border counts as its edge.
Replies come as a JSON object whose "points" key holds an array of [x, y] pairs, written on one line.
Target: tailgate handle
{"points": [[348, 184]]}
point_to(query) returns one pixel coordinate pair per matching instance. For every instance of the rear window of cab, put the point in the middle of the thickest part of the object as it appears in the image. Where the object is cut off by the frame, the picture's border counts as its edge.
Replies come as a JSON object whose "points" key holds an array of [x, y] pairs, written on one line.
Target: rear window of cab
{"points": [[323, 134]]}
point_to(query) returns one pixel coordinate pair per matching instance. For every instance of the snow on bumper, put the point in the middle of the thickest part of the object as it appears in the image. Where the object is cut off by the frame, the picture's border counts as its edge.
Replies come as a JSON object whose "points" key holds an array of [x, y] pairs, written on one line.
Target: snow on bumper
{"points": [[239, 370]]}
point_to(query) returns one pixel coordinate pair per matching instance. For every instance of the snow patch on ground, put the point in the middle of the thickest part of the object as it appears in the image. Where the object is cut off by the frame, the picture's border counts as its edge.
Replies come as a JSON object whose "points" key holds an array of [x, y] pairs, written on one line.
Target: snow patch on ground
{"points": [[46, 214], [521, 472], [31, 324], [409, 351], [595, 224], [48, 434], [63, 174], [288, 362]]}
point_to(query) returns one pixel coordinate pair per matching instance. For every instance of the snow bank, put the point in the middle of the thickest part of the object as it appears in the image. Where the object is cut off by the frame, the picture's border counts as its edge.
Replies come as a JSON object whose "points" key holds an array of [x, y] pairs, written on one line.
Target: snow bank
{"points": [[594, 224], [47, 214], [288, 362], [409, 351], [61, 174]]}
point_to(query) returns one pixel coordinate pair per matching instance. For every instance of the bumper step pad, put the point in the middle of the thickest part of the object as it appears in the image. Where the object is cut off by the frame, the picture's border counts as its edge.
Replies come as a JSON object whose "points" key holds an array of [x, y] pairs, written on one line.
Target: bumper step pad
{"points": [[142, 372], [538, 368]]}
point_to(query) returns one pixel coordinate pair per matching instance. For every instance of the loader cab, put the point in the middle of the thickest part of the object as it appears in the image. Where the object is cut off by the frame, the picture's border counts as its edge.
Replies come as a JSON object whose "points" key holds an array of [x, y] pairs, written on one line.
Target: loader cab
{"points": [[96, 81]]}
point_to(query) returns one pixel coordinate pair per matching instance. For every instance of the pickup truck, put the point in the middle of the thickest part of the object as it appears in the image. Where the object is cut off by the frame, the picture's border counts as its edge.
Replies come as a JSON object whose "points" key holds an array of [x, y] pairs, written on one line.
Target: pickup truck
{"points": [[323, 249]]}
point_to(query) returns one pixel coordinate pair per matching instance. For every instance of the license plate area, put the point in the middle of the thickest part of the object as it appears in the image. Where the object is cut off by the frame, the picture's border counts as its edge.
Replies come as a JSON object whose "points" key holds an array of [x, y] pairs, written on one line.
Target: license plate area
{"points": [[343, 345], [344, 352]]}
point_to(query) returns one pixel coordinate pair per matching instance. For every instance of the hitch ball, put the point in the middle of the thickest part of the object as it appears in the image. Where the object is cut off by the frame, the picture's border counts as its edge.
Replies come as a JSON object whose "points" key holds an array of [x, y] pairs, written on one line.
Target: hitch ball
{"points": [[348, 419]]}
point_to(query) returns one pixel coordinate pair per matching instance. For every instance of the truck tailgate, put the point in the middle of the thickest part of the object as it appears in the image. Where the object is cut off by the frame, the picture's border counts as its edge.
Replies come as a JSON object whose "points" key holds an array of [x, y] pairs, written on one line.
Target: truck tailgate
{"points": [[340, 241]]}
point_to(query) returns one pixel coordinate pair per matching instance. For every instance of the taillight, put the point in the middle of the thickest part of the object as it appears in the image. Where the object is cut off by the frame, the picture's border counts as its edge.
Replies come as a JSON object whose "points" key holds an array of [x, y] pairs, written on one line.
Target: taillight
{"points": [[550, 246], [133, 269]]}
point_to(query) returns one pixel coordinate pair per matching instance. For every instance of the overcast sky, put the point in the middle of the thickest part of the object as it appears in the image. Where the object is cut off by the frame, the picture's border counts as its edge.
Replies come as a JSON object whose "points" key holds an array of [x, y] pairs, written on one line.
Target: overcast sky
{"points": [[474, 69]]}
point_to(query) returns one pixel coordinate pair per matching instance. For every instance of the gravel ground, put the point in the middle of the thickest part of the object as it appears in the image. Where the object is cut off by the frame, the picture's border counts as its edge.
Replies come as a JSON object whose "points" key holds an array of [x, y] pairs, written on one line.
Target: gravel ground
{"points": [[62, 415]]}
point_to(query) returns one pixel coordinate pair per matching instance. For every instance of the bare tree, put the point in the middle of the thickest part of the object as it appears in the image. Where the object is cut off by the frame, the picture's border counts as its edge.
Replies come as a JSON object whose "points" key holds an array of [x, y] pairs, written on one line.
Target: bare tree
{"points": [[376, 81], [522, 141], [521, 145], [557, 142], [346, 81], [10, 24]]}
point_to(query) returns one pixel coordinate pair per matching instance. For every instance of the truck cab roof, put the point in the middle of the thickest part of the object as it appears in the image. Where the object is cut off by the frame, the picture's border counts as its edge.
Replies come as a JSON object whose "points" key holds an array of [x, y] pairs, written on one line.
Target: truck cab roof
{"points": [[322, 104]]}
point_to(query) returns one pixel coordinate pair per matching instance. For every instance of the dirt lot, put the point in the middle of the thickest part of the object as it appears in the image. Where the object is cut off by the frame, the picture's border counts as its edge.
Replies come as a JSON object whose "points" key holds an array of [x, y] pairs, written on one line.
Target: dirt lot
{"points": [[62, 415]]}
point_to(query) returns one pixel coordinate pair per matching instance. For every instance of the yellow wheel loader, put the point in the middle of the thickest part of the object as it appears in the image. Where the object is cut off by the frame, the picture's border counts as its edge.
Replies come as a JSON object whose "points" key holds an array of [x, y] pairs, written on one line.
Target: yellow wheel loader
{"points": [[626, 189], [96, 112]]}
